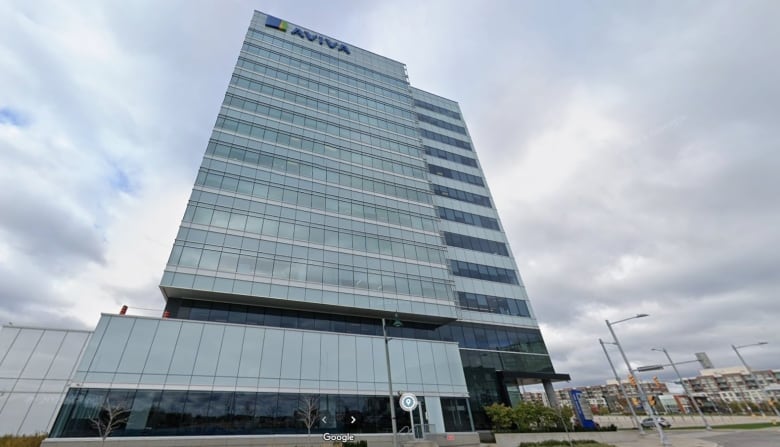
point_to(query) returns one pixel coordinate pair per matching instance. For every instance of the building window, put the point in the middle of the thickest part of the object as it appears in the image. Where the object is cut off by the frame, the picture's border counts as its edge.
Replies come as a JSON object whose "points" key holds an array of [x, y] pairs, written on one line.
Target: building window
{"points": [[493, 304], [437, 109], [456, 175], [445, 139], [444, 155], [475, 243], [208, 413], [463, 196], [468, 218], [439, 123], [485, 272]]}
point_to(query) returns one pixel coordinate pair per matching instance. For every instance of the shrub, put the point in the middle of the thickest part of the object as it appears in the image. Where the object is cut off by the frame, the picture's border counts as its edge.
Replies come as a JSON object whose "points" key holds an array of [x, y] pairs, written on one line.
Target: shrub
{"points": [[22, 441], [360, 443], [528, 417], [501, 416]]}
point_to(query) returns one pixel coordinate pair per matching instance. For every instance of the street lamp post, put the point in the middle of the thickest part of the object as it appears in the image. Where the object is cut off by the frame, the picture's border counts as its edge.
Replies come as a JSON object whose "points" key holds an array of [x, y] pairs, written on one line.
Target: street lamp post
{"points": [[685, 388], [622, 389], [642, 396], [390, 381], [752, 376]]}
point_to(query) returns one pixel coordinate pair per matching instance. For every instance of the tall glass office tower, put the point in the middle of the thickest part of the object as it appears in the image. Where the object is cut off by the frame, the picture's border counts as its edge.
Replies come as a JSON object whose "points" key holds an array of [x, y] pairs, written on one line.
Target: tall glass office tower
{"points": [[332, 194]]}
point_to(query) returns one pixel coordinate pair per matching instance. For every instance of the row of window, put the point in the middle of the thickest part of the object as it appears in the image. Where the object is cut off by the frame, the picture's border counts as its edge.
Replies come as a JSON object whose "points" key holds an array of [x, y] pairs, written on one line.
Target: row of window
{"points": [[342, 94], [288, 182], [209, 413], [468, 218], [257, 131], [343, 275], [352, 249], [445, 139], [268, 130], [337, 149], [463, 196], [294, 196], [36, 355], [179, 353], [351, 67], [311, 85], [490, 362], [297, 214], [467, 335], [437, 109], [475, 243], [334, 150], [441, 123], [493, 304], [298, 253], [248, 155], [306, 170], [343, 112], [312, 233], [481, 271], [349, 80], [456, 175], [434, 152]]}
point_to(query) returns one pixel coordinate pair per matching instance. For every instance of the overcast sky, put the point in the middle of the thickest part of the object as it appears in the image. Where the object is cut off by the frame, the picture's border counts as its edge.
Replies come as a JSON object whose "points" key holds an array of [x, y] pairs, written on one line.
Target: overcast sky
{"points": [[631, 147]]}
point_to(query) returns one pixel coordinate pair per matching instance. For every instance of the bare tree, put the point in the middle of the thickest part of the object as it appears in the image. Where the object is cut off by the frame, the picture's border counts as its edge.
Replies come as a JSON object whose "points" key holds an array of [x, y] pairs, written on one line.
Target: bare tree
{"points": [[109, 418], [308, 411]]}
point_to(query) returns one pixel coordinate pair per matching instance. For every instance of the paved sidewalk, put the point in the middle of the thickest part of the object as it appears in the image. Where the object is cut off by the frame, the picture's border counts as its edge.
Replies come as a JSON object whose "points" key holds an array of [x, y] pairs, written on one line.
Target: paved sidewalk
{"points": [[675, 438], [622, 438]]}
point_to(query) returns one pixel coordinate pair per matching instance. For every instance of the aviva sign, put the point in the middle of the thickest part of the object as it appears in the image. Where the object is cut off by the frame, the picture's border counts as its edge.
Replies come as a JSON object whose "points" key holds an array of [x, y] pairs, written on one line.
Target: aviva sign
{"points": [[273, 22]]}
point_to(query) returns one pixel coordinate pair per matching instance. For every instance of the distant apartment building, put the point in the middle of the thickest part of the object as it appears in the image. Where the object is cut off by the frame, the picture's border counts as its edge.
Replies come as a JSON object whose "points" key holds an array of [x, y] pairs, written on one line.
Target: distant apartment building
{"points": [[734, 384], [678, 403], [713, 390], [606, 396]]}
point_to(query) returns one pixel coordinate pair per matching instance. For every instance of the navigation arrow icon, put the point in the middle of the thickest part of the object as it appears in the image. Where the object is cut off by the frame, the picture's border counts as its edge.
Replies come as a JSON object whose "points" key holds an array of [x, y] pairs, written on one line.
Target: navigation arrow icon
{"points": [[353, 419], [324, 419]]}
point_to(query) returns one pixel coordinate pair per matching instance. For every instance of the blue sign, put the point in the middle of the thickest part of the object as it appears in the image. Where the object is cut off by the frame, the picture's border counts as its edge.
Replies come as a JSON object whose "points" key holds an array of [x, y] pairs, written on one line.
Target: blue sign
{"points": [[281, 25], [582, 410]]}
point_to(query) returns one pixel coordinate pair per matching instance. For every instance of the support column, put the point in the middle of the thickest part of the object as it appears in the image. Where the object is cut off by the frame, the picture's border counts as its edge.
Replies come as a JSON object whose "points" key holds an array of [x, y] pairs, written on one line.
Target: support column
{"points": [[552, 397], [503, 394], [435, 415]]}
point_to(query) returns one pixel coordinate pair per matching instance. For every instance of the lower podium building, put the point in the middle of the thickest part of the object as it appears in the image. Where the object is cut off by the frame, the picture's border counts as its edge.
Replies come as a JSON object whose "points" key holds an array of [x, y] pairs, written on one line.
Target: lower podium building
{"points": [[333, 197]]}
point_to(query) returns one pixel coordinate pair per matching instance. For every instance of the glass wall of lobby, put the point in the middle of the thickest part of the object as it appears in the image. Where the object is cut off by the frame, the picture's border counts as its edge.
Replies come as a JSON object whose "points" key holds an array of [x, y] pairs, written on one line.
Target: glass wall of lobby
{"points": [[203, 413]]}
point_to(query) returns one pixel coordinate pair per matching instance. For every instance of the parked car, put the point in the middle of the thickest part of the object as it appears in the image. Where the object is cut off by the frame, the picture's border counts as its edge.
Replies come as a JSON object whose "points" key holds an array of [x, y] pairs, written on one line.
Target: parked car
{"points": [[648, 423]]}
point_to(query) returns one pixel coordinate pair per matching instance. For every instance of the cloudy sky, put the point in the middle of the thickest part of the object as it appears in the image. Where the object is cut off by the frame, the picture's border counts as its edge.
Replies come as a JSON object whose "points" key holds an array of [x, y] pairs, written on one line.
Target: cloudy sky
{"points": [[632, 149]]}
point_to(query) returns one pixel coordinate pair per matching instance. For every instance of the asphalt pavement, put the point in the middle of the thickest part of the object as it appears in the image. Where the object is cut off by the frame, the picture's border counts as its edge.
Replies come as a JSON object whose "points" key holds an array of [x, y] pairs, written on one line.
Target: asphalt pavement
{"points": [[748, 438], [769, 437]]}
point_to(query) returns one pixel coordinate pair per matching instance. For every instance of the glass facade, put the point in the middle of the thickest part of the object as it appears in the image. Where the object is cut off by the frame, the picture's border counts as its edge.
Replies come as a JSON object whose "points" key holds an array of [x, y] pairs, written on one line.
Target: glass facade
{"points": [[204, 413], [36, 366], [139, 352], [489, 290], [331, 195], [467, 335]]}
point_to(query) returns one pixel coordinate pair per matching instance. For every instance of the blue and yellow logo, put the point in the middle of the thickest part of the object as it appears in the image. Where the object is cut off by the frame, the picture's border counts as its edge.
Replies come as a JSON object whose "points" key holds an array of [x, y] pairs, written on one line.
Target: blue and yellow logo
{"points": [[273, 22]]}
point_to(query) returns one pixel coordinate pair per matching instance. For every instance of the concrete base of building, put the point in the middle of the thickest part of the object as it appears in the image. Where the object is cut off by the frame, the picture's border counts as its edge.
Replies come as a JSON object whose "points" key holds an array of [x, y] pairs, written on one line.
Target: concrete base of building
{"points": [[469, 439]]}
